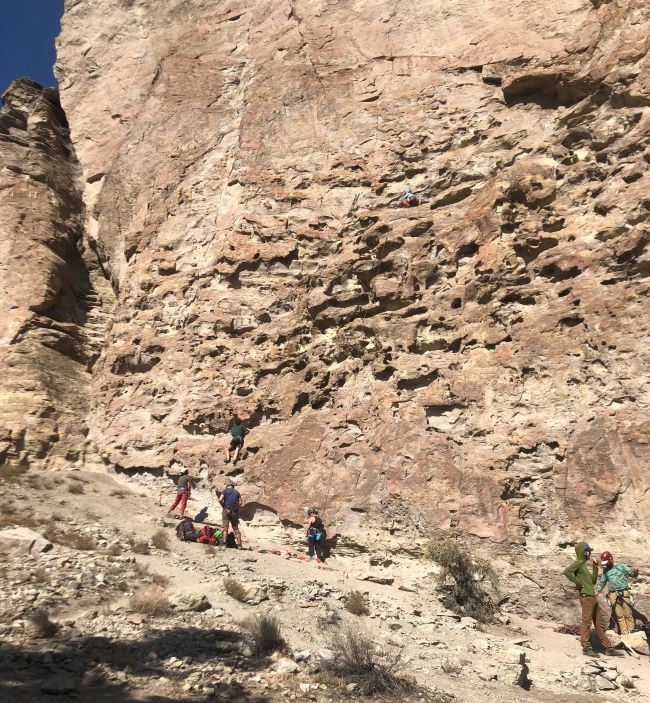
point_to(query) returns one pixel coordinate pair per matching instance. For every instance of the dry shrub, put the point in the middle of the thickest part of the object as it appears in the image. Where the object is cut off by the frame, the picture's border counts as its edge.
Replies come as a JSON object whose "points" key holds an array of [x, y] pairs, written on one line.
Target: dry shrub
{"points": [[265, 631], [355, 661], [235, 589], [151, 600], [451, 666], [142, 571], [114, 550], [160, 580], [39, 575], [33, 482], [139, 546], [69, 538], [11, 473], [118, 493], [160, 540], [468, 595], [355, 603], [76, 488]]}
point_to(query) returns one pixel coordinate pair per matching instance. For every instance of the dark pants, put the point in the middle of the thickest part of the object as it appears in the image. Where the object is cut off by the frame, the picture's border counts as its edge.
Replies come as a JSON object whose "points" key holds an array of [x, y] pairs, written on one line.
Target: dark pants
{"points": [[315, 545]]}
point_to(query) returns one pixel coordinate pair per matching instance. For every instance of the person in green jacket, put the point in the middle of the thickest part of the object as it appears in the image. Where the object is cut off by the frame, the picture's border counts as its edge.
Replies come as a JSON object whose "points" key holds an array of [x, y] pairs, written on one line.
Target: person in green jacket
{"points": [[578, 572]]}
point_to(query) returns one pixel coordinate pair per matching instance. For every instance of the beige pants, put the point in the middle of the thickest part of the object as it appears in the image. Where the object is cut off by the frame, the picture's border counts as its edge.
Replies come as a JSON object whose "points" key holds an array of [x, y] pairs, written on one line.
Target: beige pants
{"points": [[621, 605]]}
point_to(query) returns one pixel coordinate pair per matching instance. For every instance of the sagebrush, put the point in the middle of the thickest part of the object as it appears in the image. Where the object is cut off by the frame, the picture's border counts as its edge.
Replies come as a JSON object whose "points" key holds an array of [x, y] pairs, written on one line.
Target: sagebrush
{"points": [[468, 573], [139, 546], [266, 634], [160, 540], [355, 661], [235, 589], [356, 603], [151, 600]]}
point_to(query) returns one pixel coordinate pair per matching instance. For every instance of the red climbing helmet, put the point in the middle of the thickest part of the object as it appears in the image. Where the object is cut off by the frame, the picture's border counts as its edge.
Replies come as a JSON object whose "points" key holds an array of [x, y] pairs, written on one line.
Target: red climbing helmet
{"points": [[606, 556]]}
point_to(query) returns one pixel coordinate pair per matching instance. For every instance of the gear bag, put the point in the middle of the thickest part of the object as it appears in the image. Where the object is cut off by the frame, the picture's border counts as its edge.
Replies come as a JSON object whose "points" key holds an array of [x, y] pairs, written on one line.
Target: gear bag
{"points": [[185, 531]]}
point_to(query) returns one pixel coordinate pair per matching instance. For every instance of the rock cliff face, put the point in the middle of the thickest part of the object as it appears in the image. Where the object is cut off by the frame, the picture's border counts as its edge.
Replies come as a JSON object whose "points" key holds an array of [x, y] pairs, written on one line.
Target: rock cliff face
{"points": [[46, 297], [475, 362]]}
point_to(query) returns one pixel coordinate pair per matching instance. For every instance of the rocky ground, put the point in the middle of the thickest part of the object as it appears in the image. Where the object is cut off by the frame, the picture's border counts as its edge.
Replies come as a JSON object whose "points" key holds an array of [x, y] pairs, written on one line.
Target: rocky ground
{"points": [[104, 645]]}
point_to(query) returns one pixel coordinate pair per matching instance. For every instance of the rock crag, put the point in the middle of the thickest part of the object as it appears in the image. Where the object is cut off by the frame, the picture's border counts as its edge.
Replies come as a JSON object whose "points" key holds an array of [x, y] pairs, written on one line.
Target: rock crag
{"points": [[47, 326], [476, 362]]}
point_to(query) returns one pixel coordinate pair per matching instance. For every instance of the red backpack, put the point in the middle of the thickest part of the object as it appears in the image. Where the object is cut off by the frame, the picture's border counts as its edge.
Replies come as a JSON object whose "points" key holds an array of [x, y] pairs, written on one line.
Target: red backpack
{"points": [[209, 535]]}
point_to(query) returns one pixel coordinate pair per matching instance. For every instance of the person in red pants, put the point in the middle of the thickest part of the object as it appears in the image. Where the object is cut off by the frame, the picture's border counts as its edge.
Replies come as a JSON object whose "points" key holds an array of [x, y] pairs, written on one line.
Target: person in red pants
{"points": [[183, 490]]}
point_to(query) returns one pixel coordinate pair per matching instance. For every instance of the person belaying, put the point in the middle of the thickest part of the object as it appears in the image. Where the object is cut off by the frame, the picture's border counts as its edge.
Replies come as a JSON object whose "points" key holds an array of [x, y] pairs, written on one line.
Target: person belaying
{"points": [[315, 535], [230, 500], [578, 572], [183, 490], [408, 199], [615, 578], [238, 431]]}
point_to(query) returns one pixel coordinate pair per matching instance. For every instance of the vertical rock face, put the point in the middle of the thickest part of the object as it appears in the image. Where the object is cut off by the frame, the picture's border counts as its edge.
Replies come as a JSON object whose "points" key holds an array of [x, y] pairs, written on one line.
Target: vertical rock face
{"points": [[477, 361], [45, 291]]}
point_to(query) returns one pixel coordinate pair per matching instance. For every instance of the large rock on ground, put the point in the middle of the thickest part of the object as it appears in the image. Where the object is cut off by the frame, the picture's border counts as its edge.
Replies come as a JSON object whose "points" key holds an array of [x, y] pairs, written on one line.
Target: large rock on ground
{"points": [[22, 540], [197, 602]]}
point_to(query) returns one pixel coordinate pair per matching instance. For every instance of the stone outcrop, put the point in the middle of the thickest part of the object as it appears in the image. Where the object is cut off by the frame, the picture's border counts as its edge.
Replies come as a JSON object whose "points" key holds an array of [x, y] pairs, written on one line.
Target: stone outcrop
{"points": [[46, 297], [474, 362]]}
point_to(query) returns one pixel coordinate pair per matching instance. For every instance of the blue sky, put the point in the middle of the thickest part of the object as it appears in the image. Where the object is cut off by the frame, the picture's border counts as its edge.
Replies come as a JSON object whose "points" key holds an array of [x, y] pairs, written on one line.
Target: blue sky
{"points": [[27, 32]]}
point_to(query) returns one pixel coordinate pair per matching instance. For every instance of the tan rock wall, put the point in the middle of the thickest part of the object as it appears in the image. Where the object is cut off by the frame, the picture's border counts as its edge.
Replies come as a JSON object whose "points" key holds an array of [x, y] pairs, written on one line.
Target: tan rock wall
{"points": [[476, 362], [46, 296]]}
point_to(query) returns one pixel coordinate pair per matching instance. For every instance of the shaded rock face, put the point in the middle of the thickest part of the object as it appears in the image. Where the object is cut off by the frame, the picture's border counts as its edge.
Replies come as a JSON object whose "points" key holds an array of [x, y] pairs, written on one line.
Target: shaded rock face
{"points": [[46, 296], [474, 362]]}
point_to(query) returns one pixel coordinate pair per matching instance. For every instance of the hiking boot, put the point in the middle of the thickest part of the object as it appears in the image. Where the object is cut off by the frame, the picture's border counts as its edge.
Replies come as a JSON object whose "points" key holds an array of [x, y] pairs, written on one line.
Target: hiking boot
{"points": [[613, 652], [318, 561], [589, 652]]}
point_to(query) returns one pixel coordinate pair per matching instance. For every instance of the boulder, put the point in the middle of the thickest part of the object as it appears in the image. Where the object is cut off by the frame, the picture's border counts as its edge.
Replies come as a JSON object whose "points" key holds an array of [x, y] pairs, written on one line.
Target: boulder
{"points": [[58, 685], [22, 540], [255, 594], [284, 665], [637, 641], [39, 625], [196, 602]]}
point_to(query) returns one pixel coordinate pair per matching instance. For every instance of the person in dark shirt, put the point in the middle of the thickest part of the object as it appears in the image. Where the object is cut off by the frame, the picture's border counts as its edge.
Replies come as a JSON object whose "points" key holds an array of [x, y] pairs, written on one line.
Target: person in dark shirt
{"points": [[315, 535], [238, 431], [183, 490], [230, 499]]}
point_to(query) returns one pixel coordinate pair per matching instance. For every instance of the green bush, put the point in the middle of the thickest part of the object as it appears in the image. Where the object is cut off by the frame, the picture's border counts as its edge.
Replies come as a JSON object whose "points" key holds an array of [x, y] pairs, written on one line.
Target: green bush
{"points": [[468, 595]]}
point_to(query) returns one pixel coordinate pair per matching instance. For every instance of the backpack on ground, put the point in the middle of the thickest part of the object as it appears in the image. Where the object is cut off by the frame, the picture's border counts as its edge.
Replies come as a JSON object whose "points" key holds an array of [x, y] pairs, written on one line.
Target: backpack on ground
{"points": [[185, 531], [210, 535]]}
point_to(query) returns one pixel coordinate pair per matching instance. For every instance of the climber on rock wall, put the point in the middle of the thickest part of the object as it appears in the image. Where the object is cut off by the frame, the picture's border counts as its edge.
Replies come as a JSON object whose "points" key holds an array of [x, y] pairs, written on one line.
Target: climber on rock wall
{"points": [[230, 499], [238, 431], [183, 490], [408, 199], [578, 572], [615, 578]]}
